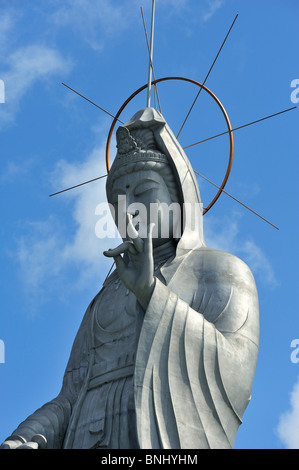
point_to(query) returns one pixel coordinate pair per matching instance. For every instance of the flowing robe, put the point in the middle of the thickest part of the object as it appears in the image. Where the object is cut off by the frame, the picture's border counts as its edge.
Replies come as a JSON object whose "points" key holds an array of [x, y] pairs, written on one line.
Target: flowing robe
{"points": [[197, 353], [176, 376]]}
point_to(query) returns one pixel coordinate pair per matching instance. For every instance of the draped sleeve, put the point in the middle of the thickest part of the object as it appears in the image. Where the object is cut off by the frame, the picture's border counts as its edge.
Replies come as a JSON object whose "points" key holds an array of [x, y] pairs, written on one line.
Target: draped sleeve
{"points": [[197, 354], [54, 418]]}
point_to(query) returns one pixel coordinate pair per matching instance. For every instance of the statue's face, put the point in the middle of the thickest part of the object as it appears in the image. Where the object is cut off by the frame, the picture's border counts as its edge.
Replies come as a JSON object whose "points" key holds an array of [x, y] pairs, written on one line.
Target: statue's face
{"points": [[144, 197]]}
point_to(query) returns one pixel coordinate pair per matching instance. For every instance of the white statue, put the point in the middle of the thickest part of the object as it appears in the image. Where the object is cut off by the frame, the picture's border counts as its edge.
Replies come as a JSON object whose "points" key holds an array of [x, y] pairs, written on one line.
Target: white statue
{"points": [[166, 352]]}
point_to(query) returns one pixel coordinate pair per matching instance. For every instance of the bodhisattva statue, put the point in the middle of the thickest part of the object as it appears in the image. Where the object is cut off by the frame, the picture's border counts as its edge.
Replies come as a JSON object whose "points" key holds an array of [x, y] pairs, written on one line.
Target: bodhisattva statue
{"points": [[166, 352]]}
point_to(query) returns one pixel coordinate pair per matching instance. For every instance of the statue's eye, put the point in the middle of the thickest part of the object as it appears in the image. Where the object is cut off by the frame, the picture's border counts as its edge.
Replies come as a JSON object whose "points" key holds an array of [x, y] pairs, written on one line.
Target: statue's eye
{"points": [[145, 187]]}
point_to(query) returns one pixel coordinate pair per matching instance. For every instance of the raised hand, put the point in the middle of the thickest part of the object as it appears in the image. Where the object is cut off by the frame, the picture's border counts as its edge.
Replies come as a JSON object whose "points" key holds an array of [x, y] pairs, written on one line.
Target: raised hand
{"points": [[138, 274]]}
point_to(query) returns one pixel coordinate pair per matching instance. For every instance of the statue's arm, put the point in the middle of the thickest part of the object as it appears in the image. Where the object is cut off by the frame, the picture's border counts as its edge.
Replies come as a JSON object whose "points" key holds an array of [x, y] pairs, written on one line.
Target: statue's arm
{"points": [[47, 426], [221, 289], [48, 423]]}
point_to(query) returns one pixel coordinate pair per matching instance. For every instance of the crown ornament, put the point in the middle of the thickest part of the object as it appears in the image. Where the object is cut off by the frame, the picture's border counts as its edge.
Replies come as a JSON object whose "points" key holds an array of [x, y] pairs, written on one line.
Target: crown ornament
{"points": [[125, 142], [137, 145]]}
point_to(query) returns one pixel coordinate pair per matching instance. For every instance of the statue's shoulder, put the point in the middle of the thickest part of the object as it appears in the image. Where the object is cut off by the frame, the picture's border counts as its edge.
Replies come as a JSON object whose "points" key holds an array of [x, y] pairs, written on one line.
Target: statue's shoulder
{"points": [[217, 262]]}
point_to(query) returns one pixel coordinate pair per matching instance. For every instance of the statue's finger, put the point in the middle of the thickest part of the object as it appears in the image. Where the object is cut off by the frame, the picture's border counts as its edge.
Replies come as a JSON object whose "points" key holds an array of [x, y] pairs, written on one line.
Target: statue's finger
{"points": [[149, 239], [10, 444], [134, 235], [28, 445], [122, 248]]}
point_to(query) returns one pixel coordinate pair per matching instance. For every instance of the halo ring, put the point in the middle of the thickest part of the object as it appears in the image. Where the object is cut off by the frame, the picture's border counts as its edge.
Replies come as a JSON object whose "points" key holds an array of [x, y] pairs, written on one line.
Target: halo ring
{"points": [[231, 140]]}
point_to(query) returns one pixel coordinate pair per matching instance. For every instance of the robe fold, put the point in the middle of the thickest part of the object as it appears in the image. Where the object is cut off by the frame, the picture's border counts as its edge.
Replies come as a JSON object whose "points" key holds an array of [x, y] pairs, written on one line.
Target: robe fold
{"points": [[193, 370], [197, 354], [180, 374]]}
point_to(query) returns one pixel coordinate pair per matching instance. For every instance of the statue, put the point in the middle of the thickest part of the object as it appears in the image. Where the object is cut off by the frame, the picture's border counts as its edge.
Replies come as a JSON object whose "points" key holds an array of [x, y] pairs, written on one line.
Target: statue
{"points": [[165, 355]]}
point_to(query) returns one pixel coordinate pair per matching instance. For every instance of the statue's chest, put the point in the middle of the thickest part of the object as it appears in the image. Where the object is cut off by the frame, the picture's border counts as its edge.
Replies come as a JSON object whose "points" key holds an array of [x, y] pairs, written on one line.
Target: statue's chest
{"points": [[116, 325], [115, 310]]}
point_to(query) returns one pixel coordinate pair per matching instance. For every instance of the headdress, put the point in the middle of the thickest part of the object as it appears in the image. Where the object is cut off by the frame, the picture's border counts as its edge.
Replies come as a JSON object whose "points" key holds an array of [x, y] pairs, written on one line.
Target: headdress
{"points": [[134, 146], [147, 137]]}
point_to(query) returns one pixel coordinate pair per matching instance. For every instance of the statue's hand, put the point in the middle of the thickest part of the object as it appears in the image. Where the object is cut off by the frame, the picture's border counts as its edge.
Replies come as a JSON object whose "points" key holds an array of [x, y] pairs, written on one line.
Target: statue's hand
{"points": [[37, 442], [138, 275], [11, 444]]}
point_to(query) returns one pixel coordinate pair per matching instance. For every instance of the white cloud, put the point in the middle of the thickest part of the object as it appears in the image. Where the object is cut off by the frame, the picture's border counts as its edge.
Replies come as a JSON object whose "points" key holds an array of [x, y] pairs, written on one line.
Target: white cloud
{"points": [[288, 427], [84, 246], [100, 20], [38, 253], [224, 234], [258, 261], [62, 254], [177, 4], [23, 63], [7, 23], [95, 20], [212, 7], [11, 170], [23, 68]]}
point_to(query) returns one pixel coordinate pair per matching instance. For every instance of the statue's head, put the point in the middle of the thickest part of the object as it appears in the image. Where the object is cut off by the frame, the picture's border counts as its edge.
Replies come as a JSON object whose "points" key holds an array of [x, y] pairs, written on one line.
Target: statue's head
{"points": [[141, 185], [146, 180]]}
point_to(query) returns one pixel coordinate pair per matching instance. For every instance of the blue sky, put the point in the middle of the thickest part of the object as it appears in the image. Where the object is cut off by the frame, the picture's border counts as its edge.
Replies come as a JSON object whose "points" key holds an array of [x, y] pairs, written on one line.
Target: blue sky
{"points": [[51, 260]]}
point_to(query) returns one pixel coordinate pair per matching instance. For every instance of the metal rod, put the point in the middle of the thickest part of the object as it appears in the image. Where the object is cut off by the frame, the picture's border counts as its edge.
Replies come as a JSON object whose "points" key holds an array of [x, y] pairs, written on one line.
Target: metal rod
{"points": [[148, 47], [77, 185], [206, 76], [235, 199], [151, 57], [211, 182], [91, 102], [240, 127], [109, 272]]}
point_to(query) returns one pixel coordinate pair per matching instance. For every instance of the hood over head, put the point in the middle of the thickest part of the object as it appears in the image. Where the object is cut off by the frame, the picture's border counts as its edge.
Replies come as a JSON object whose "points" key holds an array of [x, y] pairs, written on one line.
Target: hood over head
{"points": [[136, 143]]}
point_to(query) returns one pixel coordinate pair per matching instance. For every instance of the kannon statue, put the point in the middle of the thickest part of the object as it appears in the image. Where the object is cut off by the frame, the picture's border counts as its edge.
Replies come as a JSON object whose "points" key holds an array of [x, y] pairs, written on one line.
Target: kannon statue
{"points": [[166, 353]]}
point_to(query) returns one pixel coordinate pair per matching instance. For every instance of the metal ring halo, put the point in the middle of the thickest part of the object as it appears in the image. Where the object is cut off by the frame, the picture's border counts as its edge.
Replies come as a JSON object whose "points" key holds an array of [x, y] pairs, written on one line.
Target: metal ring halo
{"points": [[231, 152]]}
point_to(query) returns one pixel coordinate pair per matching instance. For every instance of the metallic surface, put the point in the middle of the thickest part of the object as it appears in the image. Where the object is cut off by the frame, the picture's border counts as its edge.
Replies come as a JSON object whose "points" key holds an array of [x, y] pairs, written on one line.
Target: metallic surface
{"points": [[151, 56], [181, 317], [148, 47]]}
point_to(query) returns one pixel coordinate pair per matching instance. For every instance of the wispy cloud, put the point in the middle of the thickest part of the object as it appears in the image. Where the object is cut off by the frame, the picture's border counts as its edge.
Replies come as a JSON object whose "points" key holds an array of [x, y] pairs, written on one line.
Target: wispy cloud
{"points": [[95, 21], [63, 253], [24, 63], [24, 67], [212, 7], [178, 5], [84, 245], [258, 261], [288, 427], [224, 234], [8, 20], [13, 169], [100, 20]]}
